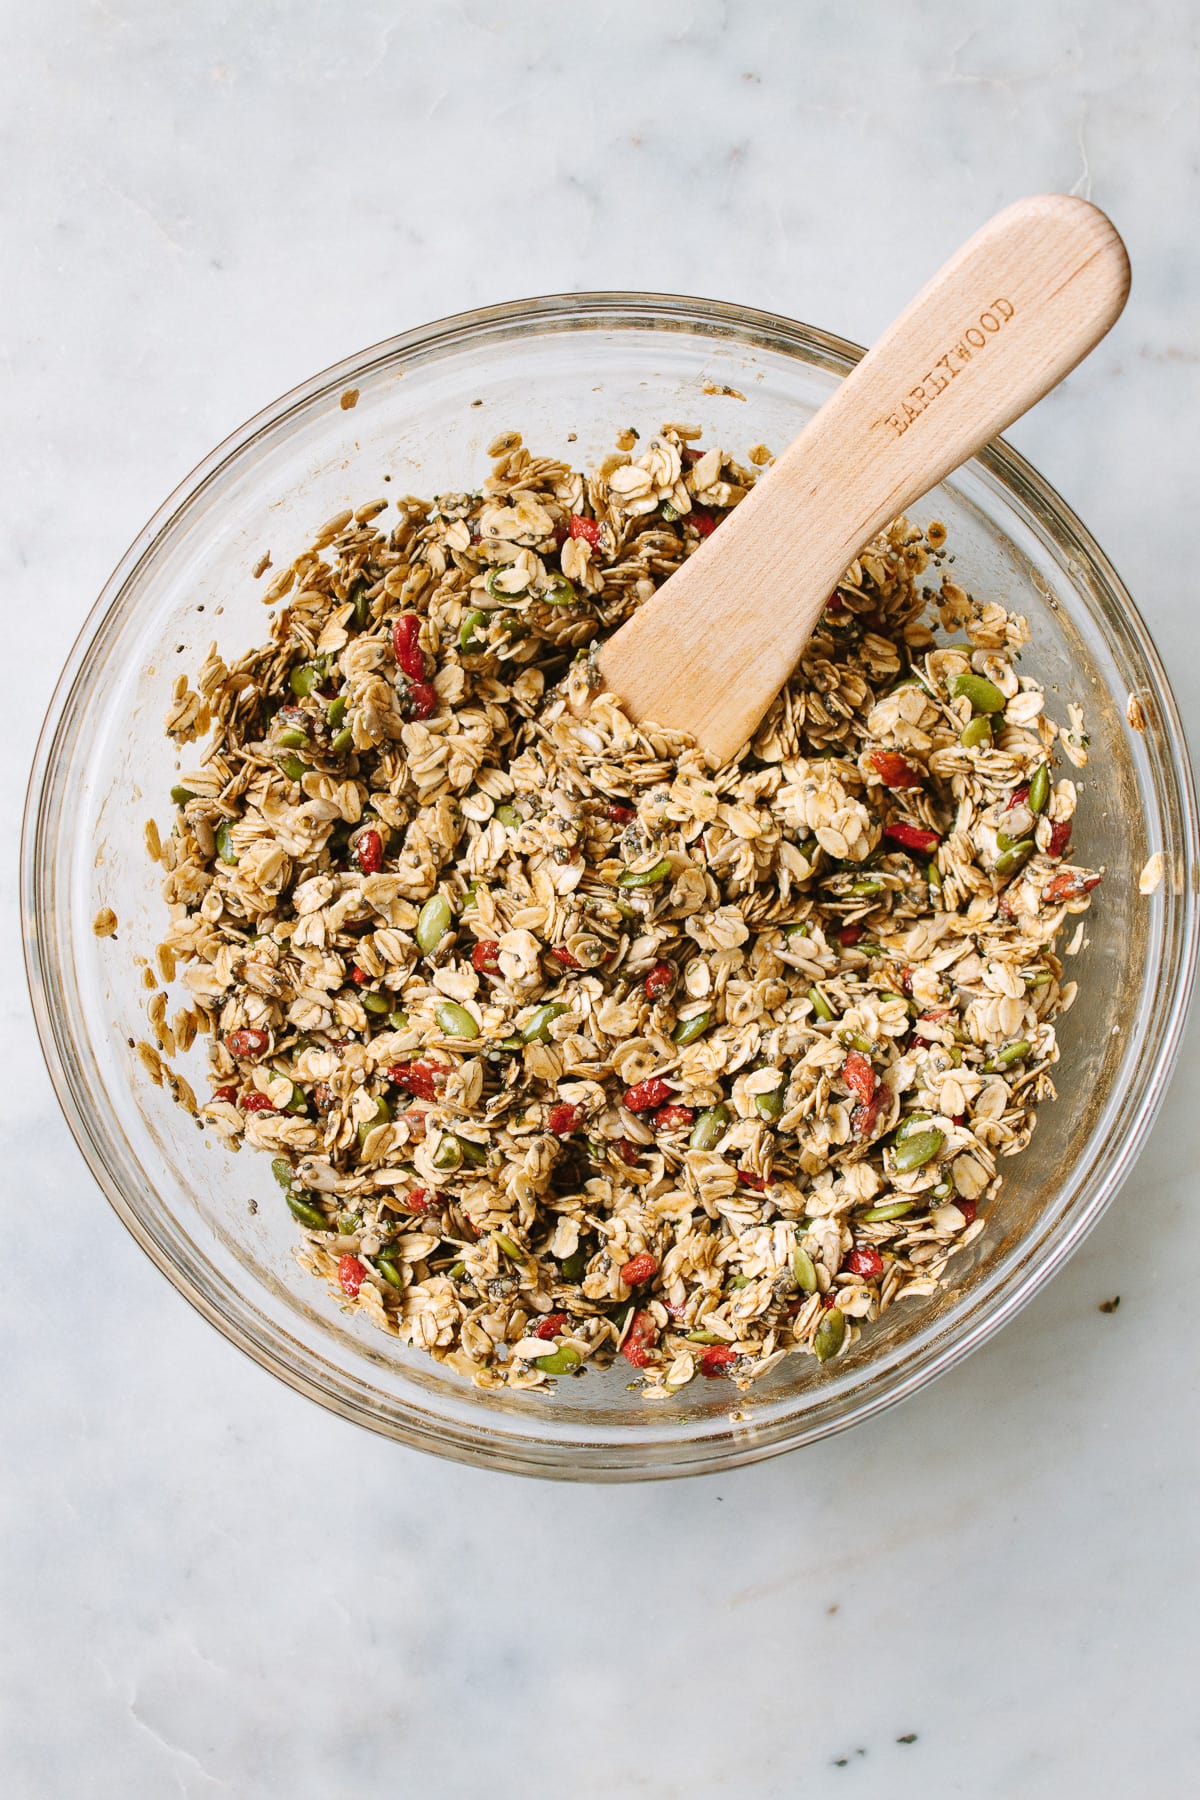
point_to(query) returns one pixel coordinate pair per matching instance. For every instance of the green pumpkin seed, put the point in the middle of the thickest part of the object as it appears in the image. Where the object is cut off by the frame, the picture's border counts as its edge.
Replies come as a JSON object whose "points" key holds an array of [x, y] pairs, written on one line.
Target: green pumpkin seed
{"points": [[362, 607], [801, 930], [573, 1267], [559, 591], [456, 1271], [281, 1169], [1039, 788], [298, 1100], [769, 1106], [308, 1215], [509, 817], [455, 1020], [562, 1361], [1011, 1053], [383, 1113], [507, 1245], [688, 1030], [537, 1028], [397, 1020], [704, 1337], [468, 643], [891, 1209], [984, 695], [1015, 857], [868, 885], [492, 584], [820, 1005], [225, 842], [390, 1271], [335, 712], [292, 767], [933, 876], [976, 731], [306, 679], [640, 878], [854, 1040], [830, 1335], [292, 739], [181, 795], [341, 740], [375, 1003], [709, 1128], [448, 1154], [433, 922], [917, 1149], [805, 1270]]}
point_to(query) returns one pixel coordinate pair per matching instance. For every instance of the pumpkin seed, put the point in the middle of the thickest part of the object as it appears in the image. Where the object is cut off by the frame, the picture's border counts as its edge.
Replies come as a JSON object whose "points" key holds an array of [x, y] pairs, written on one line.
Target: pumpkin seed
{"points": [[1011, 1053], [917, 1149], [433, 922], [507, 1245], [455, 1020], [984, 695], [1039, 788], [562, 1361], [709, 1128], [688, 1030], [308, 1215], [805, 1270], [830, 1334], [820, 1005], [640, 878], [977, 731], [892, 1209], [509, 817], [537, 1027]]}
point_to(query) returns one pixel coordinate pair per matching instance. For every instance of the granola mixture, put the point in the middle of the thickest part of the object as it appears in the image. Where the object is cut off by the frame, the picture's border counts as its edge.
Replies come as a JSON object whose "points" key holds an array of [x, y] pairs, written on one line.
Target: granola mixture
{"points": [[562, 1044]]}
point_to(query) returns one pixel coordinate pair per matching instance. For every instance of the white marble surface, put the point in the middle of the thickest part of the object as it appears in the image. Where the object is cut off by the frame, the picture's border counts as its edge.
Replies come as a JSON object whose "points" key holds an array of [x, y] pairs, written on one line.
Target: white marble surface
{"points": [[207, 1585]]}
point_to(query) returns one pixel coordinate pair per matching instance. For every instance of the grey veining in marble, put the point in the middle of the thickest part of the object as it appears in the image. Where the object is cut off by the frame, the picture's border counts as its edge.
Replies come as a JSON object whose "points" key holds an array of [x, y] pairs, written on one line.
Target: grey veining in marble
{"points": [[207, 1586]]}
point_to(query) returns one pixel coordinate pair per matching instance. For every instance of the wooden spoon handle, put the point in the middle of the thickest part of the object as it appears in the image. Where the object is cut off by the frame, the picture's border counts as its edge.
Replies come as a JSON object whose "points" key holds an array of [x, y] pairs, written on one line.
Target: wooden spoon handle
{"points": [[1006, 318]]}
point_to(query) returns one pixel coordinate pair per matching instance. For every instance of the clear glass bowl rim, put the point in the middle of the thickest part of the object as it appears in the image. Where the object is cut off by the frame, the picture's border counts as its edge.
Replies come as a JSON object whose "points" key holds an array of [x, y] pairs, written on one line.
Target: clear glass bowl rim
{"points": [[978, 1316]]}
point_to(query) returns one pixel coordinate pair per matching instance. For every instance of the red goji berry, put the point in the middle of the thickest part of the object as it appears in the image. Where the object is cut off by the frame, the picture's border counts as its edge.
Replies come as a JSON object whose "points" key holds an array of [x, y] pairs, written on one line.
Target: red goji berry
{"points": [[369, 851], [1060, 837], [911, 837], [418, 1079], [640, 1339], [866, 1261], [849, 935], [358, 976], [716, 1359], [936, 1014], [564, 1119], [627, 1150], [351, 1274], [703, 521], [562, 532], [829, 1300], [588, 529], [619, 813], [959, 1119], [859, 1076], [673, 1118], [226, 1095], [835, 603], [1071, 885], [865, 1116], [757, 1182], [422, 699], [550, 1326], [410, 657], [421, 1200], [639, 1269], [658, 980], [894, 770], [967, 1208], [646, 1094], [485, 957], [256, 1102], [561, 954], [247, 1041]]}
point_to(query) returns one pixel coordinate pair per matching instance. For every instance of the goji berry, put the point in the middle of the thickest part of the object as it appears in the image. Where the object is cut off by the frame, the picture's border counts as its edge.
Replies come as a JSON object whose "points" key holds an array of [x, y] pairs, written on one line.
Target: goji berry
{"points": [[894, 770], [640, 1339], [703, 521], [757, 1182], [421, 1200], [588, 529], [256, 1102], [563, 1120], [422, 700], [936, 1014], [418, 1079], [967, 1208], [911, 837], [866, 1261], [849, 935], [646, 1094], [658, 980], [1018, 797], [323, 1098], [859, 1076], [716, 1359], [358, 976], [369, 851], [1071, 885], [865, 1116], [639, 1269], [550, 1326], [247, 1041], [835, 603], [906, 981], [673, 1118], [619, 813], [1060, 837], [829, 1300], [405, 643], [561, 954], [226, 1095], [627, 1150], [485, 957], [562, 532], [351, 1274], [959, 1119]]}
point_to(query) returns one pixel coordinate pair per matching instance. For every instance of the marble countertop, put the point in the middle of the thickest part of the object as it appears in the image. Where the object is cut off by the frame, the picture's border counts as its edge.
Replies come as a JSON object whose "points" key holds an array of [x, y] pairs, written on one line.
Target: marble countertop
{"points": [[207, 1585]]}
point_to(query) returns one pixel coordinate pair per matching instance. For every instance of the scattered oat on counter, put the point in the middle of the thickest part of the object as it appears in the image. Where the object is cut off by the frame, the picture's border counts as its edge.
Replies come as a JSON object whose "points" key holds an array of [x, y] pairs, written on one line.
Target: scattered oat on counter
{"points": [[1135, 713], [1151, 876], [564, 1045], [105, 923]]}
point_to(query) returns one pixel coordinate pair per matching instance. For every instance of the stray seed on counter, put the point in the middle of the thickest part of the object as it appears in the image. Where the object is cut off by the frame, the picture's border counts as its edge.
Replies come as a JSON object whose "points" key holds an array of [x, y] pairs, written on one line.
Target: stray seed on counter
{"points": [[567, 1047], [1110, 1306], [348, 399]]}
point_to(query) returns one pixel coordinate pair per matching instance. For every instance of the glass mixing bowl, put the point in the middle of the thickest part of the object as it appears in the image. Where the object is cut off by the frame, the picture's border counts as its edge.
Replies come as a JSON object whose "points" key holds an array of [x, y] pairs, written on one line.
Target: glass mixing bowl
{"points": [[568, 372]]}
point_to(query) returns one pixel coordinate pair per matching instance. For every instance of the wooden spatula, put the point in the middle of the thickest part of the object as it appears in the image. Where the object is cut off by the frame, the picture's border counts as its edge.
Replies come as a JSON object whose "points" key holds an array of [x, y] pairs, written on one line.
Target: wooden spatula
{"points": [[1021, 303]]}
